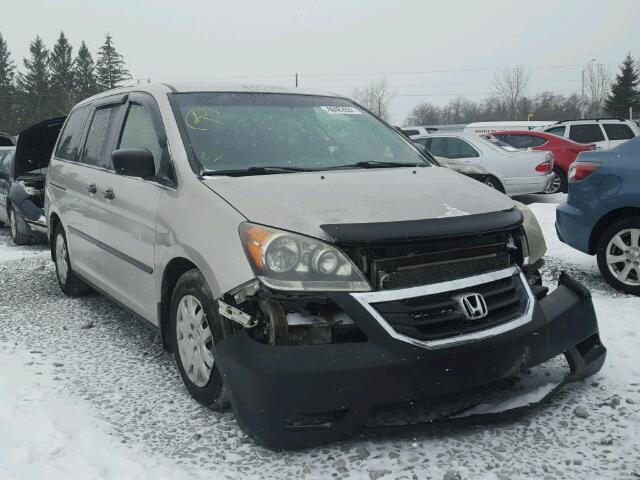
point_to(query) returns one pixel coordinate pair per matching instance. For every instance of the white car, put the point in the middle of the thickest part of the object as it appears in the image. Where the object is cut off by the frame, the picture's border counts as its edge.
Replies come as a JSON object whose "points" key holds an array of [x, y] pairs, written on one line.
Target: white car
{"points": [[480, 128], [604, 133], [509, 170]]}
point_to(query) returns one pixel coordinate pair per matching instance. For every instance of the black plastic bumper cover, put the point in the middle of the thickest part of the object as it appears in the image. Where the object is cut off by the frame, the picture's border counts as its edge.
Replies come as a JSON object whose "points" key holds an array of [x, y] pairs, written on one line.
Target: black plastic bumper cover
{"points": [[270, 385]]}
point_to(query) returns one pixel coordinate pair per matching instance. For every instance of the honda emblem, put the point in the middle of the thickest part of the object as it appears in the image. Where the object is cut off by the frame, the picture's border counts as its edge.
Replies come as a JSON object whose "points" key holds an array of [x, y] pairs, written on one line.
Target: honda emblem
{"points": [[473, 306]]}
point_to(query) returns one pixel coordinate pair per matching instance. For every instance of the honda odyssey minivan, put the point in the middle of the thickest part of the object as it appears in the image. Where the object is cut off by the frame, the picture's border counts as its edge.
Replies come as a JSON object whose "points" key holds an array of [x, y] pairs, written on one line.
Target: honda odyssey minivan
{"points": [[303, 261]]}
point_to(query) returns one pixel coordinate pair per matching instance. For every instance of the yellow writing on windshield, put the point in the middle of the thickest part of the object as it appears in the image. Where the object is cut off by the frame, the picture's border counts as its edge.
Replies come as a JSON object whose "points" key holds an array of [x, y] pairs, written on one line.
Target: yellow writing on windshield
{"points": [[201, 118]]}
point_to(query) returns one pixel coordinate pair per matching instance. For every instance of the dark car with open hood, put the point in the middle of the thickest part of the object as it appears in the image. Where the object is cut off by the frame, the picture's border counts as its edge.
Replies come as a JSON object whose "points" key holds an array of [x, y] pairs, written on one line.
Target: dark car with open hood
{"points": [[23, 170]]}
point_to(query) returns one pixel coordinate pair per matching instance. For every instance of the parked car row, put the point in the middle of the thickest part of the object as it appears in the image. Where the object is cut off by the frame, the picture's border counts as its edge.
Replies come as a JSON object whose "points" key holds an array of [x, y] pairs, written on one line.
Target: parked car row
{"points": [[268, 290], [305, 263], [508, 170]]}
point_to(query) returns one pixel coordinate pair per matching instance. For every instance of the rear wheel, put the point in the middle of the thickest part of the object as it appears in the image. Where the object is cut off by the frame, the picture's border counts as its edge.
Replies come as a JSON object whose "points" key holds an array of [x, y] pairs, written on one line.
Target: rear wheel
{"points": [[195, 329], [558, 183], [18, 237], [619, 255], [69, 283]]}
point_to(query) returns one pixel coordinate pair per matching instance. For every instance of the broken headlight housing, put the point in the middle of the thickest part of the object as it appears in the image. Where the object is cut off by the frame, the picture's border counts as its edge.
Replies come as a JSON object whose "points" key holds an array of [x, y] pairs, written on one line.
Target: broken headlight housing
{"points": [[534, 246], [288, 261]]}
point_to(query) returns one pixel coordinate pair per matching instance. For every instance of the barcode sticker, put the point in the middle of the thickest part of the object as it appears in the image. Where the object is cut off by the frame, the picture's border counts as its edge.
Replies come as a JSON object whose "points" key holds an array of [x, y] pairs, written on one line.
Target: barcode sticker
{"points": [[342, 110]]}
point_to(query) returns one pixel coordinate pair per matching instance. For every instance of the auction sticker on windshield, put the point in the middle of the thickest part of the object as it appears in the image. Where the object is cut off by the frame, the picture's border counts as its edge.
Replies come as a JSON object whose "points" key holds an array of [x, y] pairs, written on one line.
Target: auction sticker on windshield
{"points": [[342, 110]]}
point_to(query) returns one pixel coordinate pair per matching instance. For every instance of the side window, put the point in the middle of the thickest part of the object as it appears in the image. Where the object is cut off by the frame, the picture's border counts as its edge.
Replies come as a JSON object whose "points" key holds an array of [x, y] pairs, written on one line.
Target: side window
{"points": [[586, 133], [420, 141], [438, 146], [69, 143], [138, 132], [461, 148], [618, 131], [93, 153], [559, 131]]}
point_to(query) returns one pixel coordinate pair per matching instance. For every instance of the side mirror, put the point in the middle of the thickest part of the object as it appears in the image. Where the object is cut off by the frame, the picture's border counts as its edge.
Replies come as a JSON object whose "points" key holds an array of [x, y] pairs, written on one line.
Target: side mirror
{"points": [[134, 162]]}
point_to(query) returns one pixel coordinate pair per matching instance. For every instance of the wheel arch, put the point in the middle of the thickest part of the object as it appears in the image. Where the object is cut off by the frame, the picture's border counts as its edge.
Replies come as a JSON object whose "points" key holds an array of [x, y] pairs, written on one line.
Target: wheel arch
{"points": [[172, 272], [606, 220], [54, 221]]}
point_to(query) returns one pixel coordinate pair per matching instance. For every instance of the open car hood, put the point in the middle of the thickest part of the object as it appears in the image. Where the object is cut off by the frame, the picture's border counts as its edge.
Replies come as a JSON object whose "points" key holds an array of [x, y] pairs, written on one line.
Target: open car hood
{"points": [[35, 146]]}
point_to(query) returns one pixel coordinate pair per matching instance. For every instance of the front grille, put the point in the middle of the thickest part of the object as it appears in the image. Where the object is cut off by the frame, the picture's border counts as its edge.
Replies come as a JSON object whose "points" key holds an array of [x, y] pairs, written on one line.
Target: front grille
{"points": [[428, 261], [439, 271], [439, 316]]}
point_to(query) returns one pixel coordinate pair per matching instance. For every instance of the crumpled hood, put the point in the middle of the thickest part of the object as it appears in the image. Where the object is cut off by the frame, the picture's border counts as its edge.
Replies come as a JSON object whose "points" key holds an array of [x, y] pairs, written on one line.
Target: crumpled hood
{"points": [[301, 202]]}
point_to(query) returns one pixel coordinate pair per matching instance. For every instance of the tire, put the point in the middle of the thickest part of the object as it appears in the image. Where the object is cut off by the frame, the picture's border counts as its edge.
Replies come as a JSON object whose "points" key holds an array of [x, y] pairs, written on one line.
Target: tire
{"points": [[559, 183], [621, 241], [194, 329], [18, 237], [69, 282], [493, 182]]}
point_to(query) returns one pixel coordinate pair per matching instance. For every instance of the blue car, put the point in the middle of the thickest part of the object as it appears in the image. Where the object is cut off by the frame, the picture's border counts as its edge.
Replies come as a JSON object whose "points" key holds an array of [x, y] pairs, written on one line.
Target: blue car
{"points": [[602, 213]]}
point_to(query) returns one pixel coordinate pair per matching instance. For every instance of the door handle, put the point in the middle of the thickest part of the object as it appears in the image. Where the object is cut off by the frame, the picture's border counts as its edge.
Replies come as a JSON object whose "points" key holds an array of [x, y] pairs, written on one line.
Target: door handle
{"points": [[92, 188], [108, 194]]}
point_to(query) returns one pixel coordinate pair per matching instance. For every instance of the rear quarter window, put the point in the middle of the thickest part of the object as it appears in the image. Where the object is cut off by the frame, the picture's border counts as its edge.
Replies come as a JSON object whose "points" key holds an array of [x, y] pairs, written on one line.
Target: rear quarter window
{"points": [[559, 131], [70, 137], [618, 131]]}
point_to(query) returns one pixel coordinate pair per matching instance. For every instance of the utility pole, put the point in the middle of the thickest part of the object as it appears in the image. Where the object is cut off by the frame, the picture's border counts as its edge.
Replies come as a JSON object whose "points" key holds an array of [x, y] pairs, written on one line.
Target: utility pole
{"points": [[630, 113], [296, 79], [582, 99]]}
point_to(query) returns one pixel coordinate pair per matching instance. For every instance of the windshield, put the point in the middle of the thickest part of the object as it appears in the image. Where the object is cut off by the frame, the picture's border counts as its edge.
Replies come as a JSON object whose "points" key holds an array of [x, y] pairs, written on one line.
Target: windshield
{"points": [[235, 131], [499, 143]]}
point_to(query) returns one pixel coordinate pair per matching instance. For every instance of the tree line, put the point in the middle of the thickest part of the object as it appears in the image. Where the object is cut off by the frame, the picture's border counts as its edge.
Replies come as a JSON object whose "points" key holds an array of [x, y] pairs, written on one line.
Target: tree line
{"points": [[51, 81], [602, 95]]}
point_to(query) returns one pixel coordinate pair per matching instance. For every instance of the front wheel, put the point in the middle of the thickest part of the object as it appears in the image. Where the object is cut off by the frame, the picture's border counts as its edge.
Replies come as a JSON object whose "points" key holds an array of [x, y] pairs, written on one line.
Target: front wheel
{"points": [[493, 182], [558, 183], [619, 255], [18, 237], [195, 329]]}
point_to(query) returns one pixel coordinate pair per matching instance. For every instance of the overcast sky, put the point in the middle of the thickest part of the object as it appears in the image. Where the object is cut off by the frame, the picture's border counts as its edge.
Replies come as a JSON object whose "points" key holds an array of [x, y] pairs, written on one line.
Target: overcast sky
{"points": [[338, 45]]}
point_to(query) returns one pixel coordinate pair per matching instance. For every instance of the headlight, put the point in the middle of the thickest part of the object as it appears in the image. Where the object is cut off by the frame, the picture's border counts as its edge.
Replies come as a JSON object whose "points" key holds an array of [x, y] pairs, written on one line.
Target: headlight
{"points": [[288, 261], [536, 245], [29, 190]]}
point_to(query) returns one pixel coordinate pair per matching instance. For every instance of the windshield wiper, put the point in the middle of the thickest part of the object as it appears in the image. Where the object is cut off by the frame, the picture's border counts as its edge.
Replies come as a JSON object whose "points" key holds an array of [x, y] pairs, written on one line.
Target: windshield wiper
{"points": [[379, 164], [242, 172]]}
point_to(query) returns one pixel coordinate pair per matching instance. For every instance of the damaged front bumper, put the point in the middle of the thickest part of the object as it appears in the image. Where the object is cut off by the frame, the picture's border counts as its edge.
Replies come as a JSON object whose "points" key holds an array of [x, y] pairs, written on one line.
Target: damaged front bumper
{"points": [[298, 396]]}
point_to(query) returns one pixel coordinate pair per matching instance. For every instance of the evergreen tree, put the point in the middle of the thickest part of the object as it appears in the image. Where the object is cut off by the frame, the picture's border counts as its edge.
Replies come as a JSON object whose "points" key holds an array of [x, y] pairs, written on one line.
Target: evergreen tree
{"points": [[62, 76], [7, 88], [34, 84], [110, 67], [85, 73], [624, 91]]}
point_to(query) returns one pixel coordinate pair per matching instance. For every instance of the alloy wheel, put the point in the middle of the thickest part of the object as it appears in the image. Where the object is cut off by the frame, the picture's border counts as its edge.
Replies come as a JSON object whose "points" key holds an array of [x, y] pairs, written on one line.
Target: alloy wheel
{"points": [[554, 185], [623, 256], [61, 258], [195, 341]]}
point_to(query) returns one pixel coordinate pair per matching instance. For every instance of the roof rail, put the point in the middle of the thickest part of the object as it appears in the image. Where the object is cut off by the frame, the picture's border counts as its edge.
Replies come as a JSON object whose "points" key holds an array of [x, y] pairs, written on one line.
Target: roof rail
{"points": [[592, 119]]}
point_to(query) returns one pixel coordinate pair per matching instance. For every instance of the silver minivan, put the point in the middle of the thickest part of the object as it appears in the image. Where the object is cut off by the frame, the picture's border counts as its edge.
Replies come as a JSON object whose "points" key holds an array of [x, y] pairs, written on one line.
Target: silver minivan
{"points": [[303, 261]]}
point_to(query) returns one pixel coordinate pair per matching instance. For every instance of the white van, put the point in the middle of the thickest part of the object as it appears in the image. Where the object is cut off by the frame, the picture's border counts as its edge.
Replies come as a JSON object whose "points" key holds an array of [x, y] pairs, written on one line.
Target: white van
{"points": [[481, 128]]}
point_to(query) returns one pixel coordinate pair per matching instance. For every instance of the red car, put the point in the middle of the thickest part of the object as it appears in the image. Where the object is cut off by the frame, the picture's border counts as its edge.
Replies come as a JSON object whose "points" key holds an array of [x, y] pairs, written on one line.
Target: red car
{"points": [[564, 151]]}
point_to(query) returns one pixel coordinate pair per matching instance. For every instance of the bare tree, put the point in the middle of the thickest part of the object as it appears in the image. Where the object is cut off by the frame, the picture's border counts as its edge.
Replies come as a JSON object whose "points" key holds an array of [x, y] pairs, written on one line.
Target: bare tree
{"points": [[509, 87], [375, 98], [597, 82], [424, 114]]}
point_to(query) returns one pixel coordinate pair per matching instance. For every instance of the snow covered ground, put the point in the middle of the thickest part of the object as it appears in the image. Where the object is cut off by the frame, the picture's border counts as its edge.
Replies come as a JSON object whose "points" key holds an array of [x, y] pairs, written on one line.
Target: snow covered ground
{"points": [[87, 392]]}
